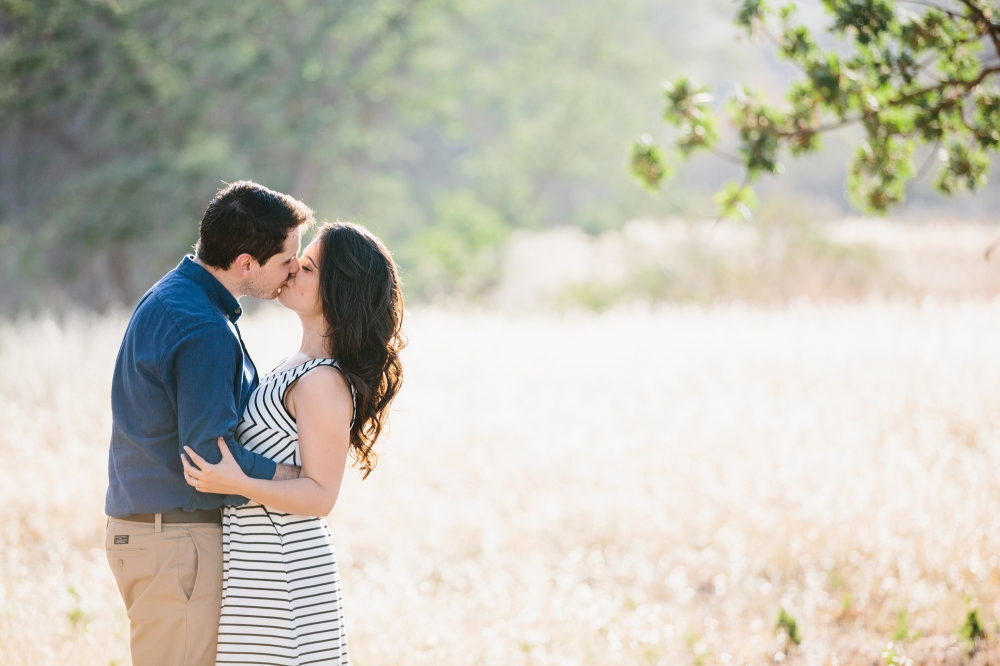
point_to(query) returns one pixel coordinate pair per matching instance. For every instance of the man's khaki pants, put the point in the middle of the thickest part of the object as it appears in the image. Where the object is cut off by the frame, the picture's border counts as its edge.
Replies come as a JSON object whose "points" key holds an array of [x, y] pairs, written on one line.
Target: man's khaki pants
{"points": [[171, 582]]}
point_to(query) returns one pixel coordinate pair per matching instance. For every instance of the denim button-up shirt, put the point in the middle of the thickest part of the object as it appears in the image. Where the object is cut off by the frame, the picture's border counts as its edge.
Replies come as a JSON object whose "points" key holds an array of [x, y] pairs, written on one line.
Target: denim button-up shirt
{"points": [[183, 377]]}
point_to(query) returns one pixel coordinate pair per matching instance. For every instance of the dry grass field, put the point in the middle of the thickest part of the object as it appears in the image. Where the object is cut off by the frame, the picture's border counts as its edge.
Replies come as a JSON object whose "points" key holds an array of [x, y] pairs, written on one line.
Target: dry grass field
{"points": [[638, 487], [763, 263]]}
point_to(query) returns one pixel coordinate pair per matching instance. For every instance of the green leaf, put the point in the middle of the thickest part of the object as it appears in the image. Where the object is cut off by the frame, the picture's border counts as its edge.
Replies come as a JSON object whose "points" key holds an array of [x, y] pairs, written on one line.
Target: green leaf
{"points": [[687, 107], [761, 128], [879, 171], [751, 11], [647, 163], [965, 169], [973, 628], [869, 19], [797, 44], [735, 201], [786, 624], [986, 119], [902, 630], [685, 100]]}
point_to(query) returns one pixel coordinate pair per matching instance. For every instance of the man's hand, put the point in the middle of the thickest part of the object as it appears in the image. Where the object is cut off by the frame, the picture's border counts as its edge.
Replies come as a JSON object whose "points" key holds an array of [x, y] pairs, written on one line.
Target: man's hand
{"points": [[286, 473], [225, 478]]}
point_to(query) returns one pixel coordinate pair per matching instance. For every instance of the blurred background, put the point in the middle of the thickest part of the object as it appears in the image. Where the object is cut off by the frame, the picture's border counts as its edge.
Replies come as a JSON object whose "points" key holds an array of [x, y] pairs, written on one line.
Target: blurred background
{"points": [[628, 434], [446, 126]]}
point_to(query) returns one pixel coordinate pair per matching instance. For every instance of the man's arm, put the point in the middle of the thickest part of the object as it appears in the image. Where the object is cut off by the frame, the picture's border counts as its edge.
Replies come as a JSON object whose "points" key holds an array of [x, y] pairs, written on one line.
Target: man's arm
{"points": [[324, 410], [205, 368], [286, 473]]}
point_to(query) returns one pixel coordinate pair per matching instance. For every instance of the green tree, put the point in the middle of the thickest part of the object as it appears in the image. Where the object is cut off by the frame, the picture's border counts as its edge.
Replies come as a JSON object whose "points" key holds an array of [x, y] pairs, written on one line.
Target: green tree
{"points": [[434, 122], [120, 118], [912, 75], [461, 252]]}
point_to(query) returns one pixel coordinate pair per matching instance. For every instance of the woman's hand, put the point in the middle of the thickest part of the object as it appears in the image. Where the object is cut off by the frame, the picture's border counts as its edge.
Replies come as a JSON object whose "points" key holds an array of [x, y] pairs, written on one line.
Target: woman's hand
{"points": [[225, 478]]}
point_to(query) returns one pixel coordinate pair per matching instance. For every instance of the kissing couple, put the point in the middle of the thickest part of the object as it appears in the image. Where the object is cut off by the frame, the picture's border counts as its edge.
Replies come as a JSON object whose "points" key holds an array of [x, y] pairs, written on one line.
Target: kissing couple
{"points": [[219, 478]]}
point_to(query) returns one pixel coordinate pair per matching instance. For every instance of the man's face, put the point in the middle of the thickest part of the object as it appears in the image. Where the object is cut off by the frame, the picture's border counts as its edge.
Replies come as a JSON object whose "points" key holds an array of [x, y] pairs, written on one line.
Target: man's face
{"points": [[266, 280]]}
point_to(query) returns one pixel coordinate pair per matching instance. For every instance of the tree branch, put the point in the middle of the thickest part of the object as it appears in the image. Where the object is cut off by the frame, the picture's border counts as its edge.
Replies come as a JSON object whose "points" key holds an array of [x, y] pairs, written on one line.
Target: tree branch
{"points": [[723, 212], [818, 129], [968, 85], [729, 157], [925, 167], [985, 21], [930, 5]]}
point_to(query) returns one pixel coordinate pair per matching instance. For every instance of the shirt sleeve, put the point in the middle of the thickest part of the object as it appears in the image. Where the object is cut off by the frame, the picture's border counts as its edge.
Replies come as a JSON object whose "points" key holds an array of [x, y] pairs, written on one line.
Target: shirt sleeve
{"points": [[207, 369]]}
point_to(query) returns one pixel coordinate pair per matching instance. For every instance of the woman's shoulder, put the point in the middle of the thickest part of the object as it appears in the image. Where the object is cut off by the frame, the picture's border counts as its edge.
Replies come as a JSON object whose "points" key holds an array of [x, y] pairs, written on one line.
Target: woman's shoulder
{"points": [[324, 376], [324, 391]]}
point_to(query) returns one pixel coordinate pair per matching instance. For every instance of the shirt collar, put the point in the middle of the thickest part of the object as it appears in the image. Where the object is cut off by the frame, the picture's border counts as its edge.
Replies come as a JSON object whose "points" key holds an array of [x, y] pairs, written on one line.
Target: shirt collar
{"points": [[212, 288]]}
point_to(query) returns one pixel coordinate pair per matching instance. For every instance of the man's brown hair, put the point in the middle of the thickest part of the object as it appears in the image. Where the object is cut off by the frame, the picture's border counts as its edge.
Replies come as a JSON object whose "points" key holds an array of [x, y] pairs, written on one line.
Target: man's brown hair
{"points": [[245, 217]]}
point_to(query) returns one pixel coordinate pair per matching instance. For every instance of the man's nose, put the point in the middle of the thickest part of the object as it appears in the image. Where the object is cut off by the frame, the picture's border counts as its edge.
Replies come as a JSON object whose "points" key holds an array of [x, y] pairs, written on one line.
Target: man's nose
{"points": [[293, 267]]}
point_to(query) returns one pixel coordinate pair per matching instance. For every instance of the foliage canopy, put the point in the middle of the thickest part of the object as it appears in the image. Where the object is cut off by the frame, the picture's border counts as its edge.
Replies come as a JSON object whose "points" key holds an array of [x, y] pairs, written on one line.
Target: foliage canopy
{"points": [[440, 124], [911, 74]]}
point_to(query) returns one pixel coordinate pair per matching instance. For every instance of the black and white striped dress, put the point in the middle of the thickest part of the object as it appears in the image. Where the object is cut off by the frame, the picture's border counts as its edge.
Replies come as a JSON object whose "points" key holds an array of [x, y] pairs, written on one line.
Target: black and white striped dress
{"points": [[281, 601]]}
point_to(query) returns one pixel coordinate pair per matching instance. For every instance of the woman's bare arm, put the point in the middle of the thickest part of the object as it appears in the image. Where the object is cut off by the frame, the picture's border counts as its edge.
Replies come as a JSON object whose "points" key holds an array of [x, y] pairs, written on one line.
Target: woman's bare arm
{"points": [[321, 404]]}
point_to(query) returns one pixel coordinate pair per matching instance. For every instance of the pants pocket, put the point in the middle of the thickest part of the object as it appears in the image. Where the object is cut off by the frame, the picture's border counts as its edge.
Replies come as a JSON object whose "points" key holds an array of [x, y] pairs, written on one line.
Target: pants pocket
{"points": [[133, 570], [187, 564]]}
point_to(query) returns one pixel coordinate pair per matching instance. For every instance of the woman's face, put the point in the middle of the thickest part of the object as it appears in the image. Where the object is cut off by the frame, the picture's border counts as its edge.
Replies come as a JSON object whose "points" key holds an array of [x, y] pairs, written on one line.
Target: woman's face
{"points": [[301, 293]]}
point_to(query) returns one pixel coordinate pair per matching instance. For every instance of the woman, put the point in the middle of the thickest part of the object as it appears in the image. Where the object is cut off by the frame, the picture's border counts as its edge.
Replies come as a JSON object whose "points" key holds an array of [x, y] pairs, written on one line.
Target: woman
{"points": [[281, 600]]}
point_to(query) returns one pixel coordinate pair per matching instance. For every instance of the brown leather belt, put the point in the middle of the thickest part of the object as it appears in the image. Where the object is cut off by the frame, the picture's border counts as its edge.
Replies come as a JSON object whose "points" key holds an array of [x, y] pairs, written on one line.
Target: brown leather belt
{"points": [[197, 516]]}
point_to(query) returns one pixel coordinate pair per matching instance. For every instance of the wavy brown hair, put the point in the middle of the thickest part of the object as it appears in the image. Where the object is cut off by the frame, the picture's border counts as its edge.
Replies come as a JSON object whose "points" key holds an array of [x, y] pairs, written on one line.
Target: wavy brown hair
{"points": [[363, 308]]}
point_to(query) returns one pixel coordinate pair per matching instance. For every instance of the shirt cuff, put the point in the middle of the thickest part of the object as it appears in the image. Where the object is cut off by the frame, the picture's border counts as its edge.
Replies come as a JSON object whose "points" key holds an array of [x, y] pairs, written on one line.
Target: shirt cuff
{"points": [[235, 500]]}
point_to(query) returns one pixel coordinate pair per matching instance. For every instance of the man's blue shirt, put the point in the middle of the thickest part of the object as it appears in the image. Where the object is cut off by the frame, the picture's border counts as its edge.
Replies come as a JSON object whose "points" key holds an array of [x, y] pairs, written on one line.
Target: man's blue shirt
{"points": [[182, 377]]}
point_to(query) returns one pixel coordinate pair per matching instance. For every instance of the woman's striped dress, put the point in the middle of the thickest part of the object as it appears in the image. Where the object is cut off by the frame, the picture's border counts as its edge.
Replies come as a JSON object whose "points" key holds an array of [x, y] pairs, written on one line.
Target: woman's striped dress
{"points": [[281, 600]]}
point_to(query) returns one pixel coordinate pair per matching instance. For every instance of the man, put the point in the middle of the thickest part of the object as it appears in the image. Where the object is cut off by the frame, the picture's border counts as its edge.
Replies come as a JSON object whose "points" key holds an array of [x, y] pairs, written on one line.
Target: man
{"points": [[183, 378]]}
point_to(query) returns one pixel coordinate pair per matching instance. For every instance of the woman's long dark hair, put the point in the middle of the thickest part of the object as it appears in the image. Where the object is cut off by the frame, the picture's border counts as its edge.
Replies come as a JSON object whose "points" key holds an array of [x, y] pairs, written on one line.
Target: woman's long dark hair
{"points": [[363, 308]]}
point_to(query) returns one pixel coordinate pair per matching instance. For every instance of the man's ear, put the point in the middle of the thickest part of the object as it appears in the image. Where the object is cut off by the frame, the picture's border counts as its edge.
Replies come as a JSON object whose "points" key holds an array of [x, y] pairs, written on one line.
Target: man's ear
{"points": [[244, 263]]}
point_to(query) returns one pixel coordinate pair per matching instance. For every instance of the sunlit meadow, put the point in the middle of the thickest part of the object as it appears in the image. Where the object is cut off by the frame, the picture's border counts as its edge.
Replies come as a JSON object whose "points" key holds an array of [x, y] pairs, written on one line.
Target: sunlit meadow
{"points": [[646, 486]]}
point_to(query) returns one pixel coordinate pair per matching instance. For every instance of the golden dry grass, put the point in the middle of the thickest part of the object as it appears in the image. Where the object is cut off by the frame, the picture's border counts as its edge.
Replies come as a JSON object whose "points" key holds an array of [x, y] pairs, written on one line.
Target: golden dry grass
{"points": [[641, 487], [764, 263]]}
